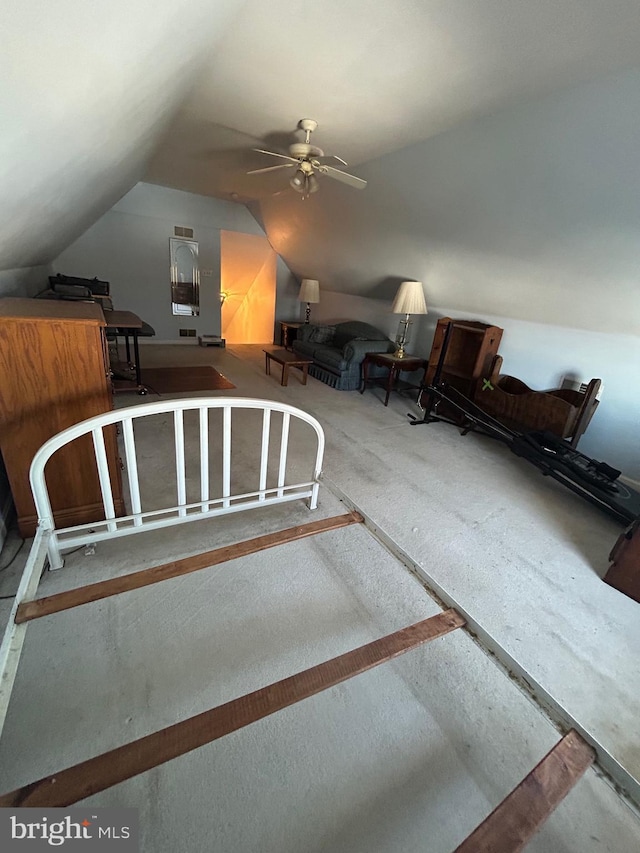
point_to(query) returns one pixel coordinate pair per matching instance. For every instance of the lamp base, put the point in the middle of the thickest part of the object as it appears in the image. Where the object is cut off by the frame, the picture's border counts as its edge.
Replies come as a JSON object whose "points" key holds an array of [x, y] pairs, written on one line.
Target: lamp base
{"points": [[308, 313], [402, 338]]}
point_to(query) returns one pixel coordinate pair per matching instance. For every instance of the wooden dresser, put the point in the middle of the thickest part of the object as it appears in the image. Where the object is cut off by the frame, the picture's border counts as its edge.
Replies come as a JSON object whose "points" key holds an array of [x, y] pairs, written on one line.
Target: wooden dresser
{"points": [[54, 372]]}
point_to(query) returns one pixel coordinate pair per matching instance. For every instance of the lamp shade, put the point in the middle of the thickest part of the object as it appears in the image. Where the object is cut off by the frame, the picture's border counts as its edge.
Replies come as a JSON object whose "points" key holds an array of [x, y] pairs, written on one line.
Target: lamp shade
{"points": [[309, 290], [409, 299]]}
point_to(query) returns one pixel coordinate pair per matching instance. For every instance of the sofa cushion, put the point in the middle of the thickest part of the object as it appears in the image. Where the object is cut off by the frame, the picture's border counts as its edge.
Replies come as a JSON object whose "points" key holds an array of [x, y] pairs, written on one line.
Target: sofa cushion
{"points": [[322, 334], [306, 348], [354, 329], [330, 357]]}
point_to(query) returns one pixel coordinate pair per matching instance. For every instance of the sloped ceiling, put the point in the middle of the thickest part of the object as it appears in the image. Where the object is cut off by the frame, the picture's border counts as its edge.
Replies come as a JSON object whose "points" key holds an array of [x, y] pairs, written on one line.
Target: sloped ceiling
{"points": [[86, 90], [98, 96], [532, 213], [377, 75]]}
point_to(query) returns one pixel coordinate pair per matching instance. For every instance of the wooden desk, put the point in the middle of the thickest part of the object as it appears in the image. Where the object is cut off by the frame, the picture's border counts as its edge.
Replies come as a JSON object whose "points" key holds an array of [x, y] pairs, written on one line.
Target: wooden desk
{"points": [[394, 365], [125, 323]]}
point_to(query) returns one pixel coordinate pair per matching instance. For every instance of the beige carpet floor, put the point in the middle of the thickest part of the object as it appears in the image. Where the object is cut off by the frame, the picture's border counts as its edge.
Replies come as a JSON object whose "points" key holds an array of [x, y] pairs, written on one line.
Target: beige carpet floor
{"points": [[409, 757]]}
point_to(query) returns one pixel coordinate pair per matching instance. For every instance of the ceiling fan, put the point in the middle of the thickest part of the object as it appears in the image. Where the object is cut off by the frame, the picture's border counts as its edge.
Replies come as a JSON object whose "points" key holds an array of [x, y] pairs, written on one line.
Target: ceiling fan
{"points": [[308, 162]]}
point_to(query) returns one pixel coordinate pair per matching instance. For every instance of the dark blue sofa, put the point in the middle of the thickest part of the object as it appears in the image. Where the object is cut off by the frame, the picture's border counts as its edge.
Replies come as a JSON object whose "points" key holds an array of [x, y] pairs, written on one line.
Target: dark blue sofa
{"points": [[339, 350]]}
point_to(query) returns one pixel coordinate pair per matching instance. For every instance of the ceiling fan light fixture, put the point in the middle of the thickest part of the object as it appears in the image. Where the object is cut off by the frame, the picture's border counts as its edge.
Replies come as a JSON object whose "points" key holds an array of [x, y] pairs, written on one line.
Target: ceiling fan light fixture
{"points": [[298, 181], [312, 184]]}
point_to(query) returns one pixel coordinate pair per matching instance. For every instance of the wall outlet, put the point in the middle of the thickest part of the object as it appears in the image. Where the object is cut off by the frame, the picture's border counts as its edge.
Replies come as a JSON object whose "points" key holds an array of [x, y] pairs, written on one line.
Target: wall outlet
{"points": [[187, 333]]}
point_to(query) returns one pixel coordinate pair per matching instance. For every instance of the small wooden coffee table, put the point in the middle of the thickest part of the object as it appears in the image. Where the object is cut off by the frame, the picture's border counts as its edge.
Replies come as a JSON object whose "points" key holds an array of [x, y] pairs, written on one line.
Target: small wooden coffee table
{"points": [[287, 359]]}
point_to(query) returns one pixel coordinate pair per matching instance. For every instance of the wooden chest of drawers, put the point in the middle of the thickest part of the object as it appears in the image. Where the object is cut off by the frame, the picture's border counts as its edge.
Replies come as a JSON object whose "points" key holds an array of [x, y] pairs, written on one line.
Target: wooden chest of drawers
{"points": [[54, 372]]}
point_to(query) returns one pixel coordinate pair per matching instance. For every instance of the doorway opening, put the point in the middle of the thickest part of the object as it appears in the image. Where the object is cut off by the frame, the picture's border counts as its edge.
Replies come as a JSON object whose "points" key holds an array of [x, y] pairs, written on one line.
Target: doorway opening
{"points": [[247, 288]]}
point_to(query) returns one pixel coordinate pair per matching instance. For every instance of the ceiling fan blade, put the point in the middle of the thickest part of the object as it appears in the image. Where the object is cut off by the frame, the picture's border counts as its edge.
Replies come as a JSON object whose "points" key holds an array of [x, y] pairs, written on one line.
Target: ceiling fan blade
{"points": [[351, 180], [271, 168], [274, 154], [324, 159]]}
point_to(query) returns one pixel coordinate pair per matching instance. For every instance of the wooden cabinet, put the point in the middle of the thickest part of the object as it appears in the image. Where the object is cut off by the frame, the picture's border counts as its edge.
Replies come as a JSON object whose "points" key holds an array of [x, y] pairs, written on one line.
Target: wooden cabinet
{"points": [[624, 571], [54, 372], [469, 354]]}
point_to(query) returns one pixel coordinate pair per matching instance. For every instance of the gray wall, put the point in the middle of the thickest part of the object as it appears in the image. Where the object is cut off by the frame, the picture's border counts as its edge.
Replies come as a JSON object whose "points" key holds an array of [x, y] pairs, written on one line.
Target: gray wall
{"points": [[129, 247], [529, 218], [24, 282]]}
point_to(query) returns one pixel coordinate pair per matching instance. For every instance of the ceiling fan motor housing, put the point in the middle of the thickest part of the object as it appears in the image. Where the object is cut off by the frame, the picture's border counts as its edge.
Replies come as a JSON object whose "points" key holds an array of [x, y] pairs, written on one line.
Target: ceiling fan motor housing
{"points": [[302, 150]]}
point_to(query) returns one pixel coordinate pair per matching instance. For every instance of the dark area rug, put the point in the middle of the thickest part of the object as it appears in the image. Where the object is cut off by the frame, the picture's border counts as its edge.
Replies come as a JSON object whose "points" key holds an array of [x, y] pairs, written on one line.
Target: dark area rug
{"points": [[173, 380]]}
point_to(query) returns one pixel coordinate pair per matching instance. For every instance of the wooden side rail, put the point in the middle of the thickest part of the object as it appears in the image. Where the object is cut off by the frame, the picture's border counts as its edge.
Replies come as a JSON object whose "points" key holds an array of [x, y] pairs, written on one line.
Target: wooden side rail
{"points": [[99, 773], [29, 610], [518, 817]]}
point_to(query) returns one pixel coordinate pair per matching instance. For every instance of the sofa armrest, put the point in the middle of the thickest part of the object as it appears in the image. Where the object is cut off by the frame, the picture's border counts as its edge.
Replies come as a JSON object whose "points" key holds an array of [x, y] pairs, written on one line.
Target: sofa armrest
{"points": [[355, 351]]}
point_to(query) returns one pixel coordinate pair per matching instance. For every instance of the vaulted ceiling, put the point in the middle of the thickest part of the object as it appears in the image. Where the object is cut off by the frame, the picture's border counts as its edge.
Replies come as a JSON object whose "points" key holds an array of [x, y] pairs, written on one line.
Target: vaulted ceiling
{"points": [[96, 97], [377, 75]]}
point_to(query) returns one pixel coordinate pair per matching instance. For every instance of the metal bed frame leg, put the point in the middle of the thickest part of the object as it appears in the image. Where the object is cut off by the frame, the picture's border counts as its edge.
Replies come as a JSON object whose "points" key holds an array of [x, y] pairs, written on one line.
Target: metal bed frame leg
{"points": [[56, 560]]}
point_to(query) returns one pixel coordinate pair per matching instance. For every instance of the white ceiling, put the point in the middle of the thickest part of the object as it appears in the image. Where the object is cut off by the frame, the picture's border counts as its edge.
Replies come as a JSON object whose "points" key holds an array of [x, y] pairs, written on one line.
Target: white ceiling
{"points": [[378, 75]]}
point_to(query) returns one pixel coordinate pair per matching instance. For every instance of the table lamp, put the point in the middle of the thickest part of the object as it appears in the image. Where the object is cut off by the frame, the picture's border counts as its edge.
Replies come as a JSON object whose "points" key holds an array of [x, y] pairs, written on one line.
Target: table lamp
{"points": [[409, 300], [309, 292]]}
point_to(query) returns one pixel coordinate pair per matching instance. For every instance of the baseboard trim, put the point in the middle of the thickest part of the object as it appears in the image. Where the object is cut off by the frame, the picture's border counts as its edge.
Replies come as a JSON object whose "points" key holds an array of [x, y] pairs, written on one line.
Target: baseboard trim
{"points": [[189, 342]]}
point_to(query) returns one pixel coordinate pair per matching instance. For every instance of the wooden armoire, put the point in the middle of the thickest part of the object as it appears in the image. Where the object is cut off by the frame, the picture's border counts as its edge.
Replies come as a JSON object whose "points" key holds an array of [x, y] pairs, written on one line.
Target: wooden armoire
{"points": [[469, 354], [54, 372]]}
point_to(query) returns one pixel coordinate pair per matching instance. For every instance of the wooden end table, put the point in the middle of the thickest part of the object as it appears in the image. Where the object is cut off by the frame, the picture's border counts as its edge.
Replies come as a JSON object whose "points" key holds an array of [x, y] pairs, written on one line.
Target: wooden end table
{"points": [[394, 365], [288, 332], [287, 359]]}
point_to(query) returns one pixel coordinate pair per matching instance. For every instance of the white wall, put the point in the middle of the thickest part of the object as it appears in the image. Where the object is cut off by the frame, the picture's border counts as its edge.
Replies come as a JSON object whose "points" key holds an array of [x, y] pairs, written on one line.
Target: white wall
{"points": [[129, 247], [540, 355]]}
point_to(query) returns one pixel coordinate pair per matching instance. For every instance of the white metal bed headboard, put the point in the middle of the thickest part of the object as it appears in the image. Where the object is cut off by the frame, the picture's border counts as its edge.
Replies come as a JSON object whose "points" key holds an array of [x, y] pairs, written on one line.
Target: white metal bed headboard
{"points": [[50, 541], [207, 506]]}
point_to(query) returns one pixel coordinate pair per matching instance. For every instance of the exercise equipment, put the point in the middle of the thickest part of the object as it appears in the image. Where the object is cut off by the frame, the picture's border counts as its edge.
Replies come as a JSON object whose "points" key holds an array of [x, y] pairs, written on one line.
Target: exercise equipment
{"points": [[594, 481]]}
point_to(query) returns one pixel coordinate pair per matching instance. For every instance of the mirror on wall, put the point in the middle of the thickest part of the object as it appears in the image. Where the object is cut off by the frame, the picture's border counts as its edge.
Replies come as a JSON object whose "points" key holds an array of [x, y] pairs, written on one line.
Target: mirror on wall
{"points": [[185, 277]]}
